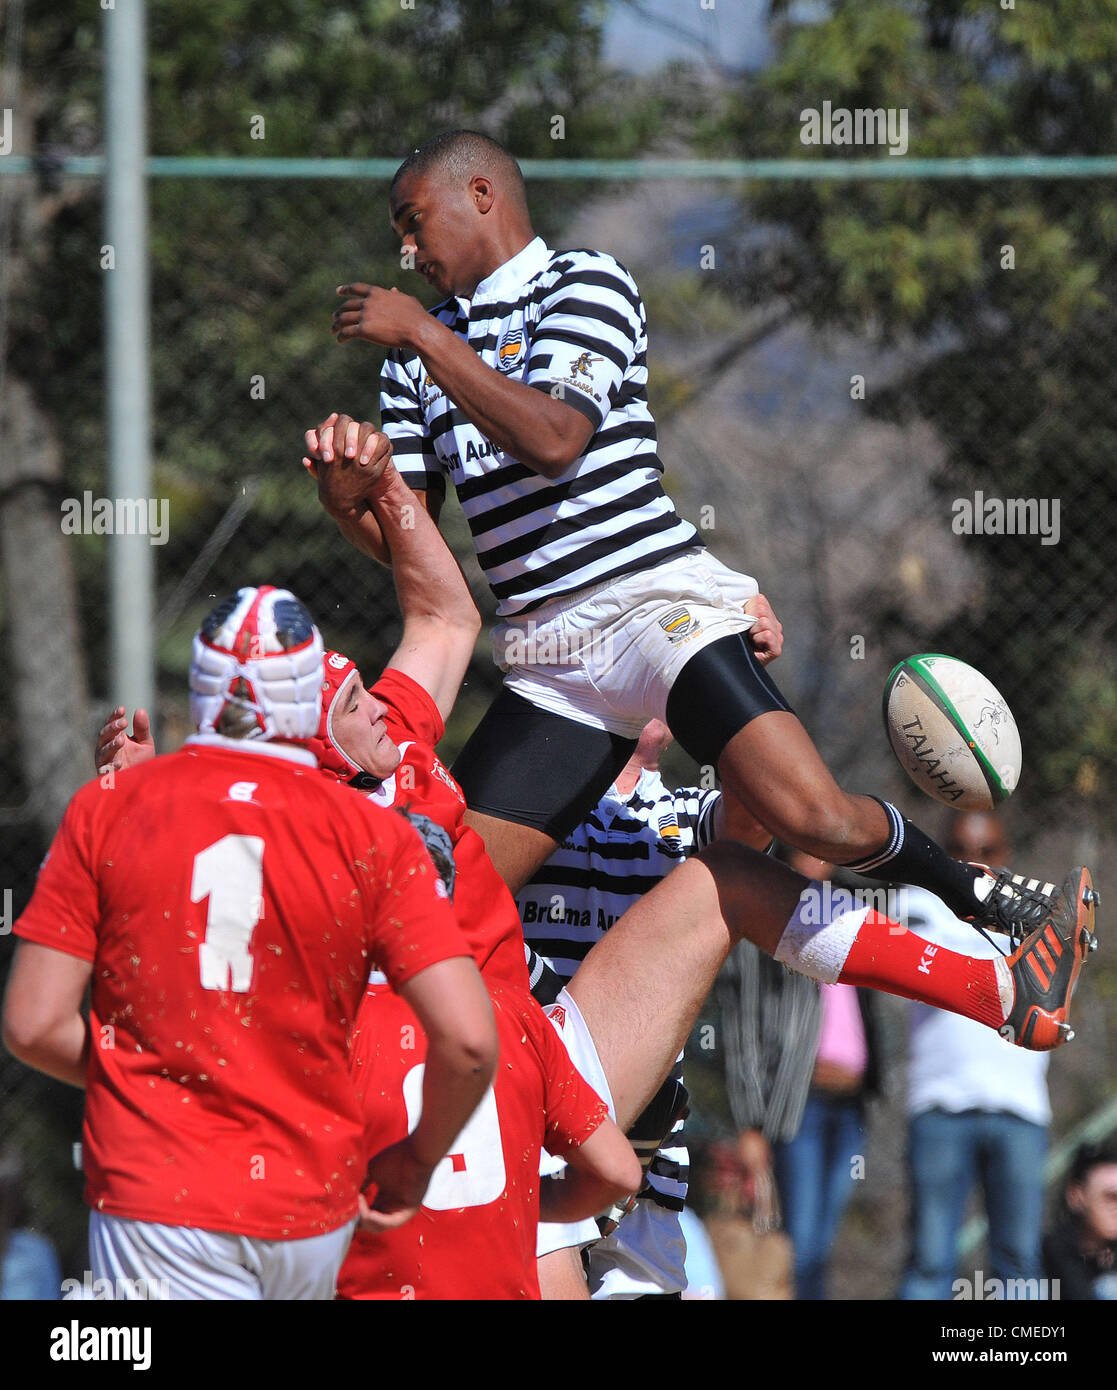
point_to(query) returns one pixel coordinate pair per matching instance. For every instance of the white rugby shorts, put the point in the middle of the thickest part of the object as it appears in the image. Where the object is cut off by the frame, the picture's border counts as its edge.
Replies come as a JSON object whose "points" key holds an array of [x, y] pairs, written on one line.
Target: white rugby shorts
{"points": [[567, 1020], [608, 655], [184, 1262]]}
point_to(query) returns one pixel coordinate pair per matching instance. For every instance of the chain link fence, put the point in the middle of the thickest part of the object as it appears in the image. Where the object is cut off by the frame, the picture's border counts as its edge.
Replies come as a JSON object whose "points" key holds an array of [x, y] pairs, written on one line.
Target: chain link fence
{"points": [[830, 465]]}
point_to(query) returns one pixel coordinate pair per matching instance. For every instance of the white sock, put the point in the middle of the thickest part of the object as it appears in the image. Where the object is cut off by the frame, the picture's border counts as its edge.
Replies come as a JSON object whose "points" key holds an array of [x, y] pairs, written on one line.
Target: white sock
{"points": [[815, 948]]}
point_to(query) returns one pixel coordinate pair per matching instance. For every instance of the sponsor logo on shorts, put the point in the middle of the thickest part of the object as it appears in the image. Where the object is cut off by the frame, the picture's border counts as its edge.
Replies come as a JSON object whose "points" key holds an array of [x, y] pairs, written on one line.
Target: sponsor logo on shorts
{"points": [[679, 625], [557, 1014]]}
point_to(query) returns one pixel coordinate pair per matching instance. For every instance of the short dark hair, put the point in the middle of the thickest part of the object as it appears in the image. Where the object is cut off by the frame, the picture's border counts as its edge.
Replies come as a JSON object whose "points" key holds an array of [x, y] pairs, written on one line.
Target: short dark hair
{"points": [[463, 153], [1089, 1156]]}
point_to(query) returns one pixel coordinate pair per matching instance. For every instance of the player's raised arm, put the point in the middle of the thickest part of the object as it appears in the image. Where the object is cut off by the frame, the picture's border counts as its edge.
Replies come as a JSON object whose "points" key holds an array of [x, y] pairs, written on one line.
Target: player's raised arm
{"points": [[360, 487]]}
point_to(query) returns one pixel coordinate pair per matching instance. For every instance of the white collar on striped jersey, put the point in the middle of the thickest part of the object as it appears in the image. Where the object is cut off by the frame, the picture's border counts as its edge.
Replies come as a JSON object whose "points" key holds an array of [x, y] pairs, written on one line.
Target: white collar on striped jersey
{"points": [[506, 279]]}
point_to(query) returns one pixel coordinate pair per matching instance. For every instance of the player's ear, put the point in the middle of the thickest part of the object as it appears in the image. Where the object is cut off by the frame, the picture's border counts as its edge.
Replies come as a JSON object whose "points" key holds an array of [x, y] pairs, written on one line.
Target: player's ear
{"points": [[483, 192]]}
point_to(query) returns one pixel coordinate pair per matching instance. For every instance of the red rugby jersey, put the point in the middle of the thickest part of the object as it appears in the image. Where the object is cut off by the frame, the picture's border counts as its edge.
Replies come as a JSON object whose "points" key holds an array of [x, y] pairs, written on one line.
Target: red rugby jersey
{"points": [[232, 901], [485, 909], [474, 1236]]}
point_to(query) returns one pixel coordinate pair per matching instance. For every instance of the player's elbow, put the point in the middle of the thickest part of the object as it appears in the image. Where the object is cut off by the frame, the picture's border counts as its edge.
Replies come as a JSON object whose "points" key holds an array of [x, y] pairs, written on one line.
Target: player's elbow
{"points": [[473, 1048], [560, 442], [625, 1175], [467, 625], [25, 1027], [610, 1160]]}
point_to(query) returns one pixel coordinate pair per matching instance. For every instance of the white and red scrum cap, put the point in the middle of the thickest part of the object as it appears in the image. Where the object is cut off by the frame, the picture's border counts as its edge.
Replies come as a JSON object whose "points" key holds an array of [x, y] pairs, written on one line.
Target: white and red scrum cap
{"points": [[257, 660]]}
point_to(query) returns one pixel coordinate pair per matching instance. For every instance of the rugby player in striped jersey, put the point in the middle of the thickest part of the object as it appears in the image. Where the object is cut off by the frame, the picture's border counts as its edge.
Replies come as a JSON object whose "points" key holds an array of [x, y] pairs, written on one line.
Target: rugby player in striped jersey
{"points": [[527, 386]]}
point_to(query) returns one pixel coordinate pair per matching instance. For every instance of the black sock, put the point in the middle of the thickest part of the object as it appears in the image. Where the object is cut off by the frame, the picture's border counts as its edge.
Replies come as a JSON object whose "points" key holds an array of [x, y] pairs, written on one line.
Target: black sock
{"points": [[910, 856]]}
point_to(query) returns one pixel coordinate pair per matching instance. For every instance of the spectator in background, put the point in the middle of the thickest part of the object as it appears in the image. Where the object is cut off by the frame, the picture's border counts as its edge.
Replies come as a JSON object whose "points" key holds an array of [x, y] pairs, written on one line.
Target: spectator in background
{"points": [[1081, 1251], [979, 1109], [28, 1264], [801, 1060]]}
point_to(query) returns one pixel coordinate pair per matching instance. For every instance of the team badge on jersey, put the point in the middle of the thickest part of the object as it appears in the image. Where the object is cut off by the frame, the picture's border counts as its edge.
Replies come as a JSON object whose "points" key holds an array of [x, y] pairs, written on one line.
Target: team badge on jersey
{"points": [[581, 378], [510, 353], [670, 836], [679, 625], [429, 392]]}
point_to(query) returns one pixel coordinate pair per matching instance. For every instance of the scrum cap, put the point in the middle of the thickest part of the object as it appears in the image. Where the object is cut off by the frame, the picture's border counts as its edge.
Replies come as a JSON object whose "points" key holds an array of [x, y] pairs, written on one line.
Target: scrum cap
{"points": [[337, 672], [256, 668]]}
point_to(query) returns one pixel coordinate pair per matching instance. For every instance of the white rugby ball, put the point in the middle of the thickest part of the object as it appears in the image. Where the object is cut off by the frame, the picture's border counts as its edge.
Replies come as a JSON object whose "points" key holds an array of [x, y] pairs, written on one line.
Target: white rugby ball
{"points": [[952, 731]]}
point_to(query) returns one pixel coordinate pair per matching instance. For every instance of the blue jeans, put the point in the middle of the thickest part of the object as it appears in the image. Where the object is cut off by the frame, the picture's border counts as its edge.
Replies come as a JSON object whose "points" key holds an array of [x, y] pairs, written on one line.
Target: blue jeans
{"points": [[815, 1176], [948, 1154]]}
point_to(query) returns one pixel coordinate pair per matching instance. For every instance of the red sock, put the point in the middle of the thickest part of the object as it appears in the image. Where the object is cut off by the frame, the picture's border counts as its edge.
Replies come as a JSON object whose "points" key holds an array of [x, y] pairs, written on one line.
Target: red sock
{"points": [[889, 957]]}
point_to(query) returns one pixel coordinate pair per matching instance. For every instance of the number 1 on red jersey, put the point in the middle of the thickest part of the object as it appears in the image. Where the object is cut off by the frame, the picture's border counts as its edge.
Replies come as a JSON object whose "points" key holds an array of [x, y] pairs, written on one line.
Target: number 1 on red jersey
{"points": [[230, 873]]}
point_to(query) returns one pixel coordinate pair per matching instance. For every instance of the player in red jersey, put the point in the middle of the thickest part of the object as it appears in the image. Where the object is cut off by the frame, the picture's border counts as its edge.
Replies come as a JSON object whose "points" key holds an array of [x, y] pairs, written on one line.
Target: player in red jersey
{"points": [[471, 1241], [226, 902], [475, 1234]]}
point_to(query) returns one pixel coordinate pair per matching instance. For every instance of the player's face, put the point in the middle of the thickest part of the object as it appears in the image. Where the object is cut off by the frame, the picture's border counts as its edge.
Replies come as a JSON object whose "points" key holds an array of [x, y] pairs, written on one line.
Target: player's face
{"points": [[435, 221], [978, 839], [358, 726], [1095, 1200]]}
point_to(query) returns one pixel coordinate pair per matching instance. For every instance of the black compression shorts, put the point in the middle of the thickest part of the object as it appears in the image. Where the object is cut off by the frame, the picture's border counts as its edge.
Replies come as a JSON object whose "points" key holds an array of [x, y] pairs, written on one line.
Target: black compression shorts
{"points": [[536, 768], [720, 690]]}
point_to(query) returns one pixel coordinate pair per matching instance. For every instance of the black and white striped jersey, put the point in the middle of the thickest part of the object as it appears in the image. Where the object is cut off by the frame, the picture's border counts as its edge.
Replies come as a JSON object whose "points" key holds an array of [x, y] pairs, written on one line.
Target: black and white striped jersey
{"points": [[572, 324], [624, 848]]}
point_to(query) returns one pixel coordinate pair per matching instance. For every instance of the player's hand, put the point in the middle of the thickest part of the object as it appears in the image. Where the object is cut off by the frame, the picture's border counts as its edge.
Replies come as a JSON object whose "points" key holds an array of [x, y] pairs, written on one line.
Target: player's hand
{"points": [[116, 748], [766, 634], [400, 1181], [347, 458], [386, 317]]}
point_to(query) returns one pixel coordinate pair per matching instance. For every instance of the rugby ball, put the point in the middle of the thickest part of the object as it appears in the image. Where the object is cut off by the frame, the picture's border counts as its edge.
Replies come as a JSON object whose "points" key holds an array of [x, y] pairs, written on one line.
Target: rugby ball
{"points": [[952, 732]]}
